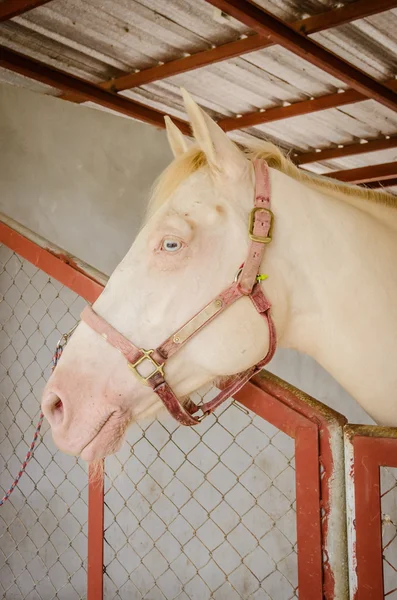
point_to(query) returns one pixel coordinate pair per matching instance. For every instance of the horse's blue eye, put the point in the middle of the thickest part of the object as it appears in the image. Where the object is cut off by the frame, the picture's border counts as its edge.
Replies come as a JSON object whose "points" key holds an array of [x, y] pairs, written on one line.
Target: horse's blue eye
{"points": [[171, 245]]}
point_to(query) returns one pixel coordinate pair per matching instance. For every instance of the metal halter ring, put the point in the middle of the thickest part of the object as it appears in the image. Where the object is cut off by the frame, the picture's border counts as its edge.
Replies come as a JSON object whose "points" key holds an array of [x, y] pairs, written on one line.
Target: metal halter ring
{"points": [[237, 276]]}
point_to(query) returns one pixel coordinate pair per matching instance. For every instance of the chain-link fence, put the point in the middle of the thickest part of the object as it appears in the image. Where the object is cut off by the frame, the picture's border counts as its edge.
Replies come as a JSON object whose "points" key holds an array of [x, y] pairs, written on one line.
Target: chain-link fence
{"points": [[204, 512], [43, 526], [201, 513], [389, 530]]}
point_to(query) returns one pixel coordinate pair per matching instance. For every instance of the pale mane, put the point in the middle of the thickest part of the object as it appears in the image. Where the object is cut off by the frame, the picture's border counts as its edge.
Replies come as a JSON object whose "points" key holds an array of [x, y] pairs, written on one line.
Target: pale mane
{"points": [[194, 159]]}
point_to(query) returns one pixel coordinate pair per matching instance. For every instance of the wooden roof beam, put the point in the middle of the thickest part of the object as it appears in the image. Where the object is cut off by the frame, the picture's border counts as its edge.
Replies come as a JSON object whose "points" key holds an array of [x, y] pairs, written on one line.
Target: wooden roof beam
{"points": [[382, 143], [331, 18], [280, 33], [373, 173], [29, 67], [14, 8]]}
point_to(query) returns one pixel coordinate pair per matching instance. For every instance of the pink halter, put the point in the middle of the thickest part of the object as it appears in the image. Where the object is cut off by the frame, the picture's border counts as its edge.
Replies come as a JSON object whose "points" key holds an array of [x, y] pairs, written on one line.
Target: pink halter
{"points": [[246, 284]]}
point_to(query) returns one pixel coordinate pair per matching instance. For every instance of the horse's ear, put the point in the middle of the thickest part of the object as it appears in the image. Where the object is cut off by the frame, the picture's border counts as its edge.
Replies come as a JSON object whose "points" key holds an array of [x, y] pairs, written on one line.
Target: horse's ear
{"points": [[222, 154], [176, 139]]}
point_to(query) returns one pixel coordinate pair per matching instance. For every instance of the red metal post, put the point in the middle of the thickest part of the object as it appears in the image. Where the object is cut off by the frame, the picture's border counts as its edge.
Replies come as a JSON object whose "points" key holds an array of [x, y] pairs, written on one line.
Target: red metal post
{"points": [[317, 431], [308, 512], [89, 289], [373, 447], [95, 534], [368, 522]]}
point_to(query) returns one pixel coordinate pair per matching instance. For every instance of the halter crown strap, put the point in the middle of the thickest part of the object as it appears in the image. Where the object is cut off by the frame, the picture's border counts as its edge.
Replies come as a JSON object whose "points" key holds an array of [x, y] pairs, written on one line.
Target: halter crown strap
{"points": [[260, 228], [260, 232]]}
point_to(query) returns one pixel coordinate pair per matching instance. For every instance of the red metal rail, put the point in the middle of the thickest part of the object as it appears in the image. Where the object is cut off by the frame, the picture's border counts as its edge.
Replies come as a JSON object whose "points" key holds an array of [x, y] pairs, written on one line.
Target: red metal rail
{"points": [[368, 448], [39, 71], [320, 507], [281, 33], [83, 285], [313, 24], [369, 174], [13, 8]]}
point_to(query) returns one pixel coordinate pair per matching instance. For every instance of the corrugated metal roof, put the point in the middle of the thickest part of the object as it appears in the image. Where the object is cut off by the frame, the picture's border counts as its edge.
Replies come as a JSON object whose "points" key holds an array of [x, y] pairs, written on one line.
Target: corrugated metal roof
{"points": [[101, 39], [335, 126]]}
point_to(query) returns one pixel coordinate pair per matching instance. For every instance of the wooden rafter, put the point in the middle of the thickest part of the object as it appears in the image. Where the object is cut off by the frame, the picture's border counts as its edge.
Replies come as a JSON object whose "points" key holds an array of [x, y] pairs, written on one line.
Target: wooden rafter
{"points": [[13, 8], [381, 143], [332, 18], [373, 173], [34, 69], [266, 24]]}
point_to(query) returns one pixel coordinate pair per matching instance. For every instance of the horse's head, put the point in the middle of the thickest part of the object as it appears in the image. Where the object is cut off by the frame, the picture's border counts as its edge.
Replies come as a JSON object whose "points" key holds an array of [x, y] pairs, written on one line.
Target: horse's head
{"points": [[188, 251]]}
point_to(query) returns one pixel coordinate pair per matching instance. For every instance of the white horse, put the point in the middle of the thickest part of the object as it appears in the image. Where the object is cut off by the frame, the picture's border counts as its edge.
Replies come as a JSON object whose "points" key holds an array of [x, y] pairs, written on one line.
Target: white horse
{"points": [[332, 282]]}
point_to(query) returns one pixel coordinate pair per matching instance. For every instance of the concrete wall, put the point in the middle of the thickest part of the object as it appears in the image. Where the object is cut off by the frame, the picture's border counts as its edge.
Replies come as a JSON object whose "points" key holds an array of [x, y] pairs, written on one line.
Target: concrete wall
{"points": [[77, 176], [81, 177]]}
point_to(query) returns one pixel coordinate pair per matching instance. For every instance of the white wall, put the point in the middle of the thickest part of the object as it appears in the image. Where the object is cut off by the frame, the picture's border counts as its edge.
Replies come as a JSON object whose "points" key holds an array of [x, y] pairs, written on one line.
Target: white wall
{"points": [[81, 177]]}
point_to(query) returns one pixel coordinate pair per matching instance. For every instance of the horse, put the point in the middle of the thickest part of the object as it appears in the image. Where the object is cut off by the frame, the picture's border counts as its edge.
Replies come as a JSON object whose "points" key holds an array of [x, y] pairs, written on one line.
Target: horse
{"points": [[329, 275]]}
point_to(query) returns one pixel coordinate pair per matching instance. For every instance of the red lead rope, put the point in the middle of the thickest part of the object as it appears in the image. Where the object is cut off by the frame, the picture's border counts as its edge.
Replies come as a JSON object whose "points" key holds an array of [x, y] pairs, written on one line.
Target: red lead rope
{"points": [[55, 359]]}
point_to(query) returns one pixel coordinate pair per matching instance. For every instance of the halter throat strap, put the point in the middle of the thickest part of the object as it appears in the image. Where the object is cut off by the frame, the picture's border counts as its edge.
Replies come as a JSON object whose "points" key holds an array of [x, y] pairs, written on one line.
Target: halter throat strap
{"points": [[188, 413]]}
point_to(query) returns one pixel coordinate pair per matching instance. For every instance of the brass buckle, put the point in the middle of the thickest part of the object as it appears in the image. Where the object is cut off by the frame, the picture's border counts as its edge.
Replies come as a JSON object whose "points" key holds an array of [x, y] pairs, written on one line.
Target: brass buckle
{"points": [[147, 355], [258, 238]]}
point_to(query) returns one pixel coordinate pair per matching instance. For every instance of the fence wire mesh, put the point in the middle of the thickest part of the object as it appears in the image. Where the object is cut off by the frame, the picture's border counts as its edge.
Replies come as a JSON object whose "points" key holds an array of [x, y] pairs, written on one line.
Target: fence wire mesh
{"points": [[43, 526], [389, 530], [190, 513], [206, 512]]}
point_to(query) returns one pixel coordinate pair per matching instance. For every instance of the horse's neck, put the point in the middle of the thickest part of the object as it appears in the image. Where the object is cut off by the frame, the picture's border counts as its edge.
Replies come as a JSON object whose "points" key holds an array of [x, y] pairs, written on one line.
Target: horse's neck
{"points": [[333, 286]]}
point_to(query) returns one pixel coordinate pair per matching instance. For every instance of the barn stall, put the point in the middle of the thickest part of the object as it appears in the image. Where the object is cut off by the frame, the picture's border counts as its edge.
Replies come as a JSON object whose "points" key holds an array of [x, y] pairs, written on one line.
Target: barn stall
{"points": [[252, 504]]}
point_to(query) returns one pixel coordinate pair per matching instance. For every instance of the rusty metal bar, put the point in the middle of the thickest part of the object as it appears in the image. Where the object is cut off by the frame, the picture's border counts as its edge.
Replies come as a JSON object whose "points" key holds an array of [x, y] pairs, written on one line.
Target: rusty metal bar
{"points": [[89, 289], [375, 185], [303, 107], [381, 143], [29, 67], [95, 535], [344, 14], [368, 523], [308, 515], [13, 8], [318, 433], [377, 173], [331, 18], [266, 24], [367, 449], [296, 109], [55, 266]]}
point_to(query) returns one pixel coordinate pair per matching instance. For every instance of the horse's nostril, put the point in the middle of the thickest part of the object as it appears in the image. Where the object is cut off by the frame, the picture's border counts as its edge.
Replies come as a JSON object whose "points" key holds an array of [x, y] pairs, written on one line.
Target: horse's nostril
{"points": [[53, 409]]}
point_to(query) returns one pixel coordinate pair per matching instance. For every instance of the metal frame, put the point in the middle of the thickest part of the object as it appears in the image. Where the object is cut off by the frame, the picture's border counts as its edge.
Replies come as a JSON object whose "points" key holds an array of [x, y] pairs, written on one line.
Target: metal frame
{"points": [[34, 69], [329, 455], [319, 461], [317, 431], [372, 145], [367, 449], [330, 18], [376, 173], [271, 30], [13, 8], [266, 24], [84, 285]]}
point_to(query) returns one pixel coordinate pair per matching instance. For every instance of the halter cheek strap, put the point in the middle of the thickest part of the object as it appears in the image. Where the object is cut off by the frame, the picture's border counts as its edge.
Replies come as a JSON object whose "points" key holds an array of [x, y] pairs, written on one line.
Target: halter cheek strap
{"points": [[260, 233]]}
